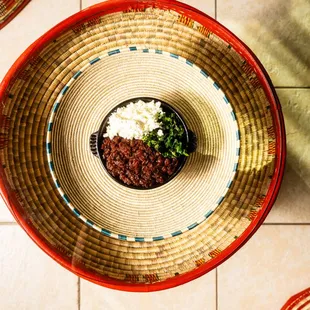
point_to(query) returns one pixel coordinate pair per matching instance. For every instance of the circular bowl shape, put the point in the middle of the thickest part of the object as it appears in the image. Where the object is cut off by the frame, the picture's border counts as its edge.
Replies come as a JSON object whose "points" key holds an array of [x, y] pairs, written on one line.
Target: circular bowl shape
{"points": [[181, 204], [96, 139], [198, 67]]}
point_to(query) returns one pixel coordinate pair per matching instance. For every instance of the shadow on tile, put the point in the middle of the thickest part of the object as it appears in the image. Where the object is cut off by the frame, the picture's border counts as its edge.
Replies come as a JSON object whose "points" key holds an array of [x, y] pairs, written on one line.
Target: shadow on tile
{"points": [[277, 31], [288, 30], [289, 33], [293, 203]]}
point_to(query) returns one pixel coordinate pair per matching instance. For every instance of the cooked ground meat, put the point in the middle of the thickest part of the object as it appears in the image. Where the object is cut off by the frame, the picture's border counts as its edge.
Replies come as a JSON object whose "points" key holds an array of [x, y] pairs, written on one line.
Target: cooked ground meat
{"points": [[135, 163]]}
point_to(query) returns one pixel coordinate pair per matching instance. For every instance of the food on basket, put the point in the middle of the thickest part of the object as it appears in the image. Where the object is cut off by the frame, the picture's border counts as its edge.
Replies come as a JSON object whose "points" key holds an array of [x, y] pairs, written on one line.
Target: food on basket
{"points": [[134, 120], [135, 163], [143, 143]]}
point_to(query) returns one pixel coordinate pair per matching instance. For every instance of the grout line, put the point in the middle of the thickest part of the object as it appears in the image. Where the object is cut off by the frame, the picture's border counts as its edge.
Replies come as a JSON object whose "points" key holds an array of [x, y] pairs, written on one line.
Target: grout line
{"points": [[216, 290], [8, 223], [81, 5], [215, 9], [286, 224], [79, 293], [292, 87]]}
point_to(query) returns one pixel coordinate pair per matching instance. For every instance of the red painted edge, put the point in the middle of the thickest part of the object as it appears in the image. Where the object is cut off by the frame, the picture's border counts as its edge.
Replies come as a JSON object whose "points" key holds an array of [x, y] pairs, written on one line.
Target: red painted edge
{"points": [[11, 16], [225, 34], [303, 307], [295, 299]]}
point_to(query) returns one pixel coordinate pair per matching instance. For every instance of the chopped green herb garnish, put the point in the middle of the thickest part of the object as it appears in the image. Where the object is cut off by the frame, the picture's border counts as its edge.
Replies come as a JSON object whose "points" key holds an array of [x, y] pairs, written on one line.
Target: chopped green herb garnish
{"points": [[171, 142]]}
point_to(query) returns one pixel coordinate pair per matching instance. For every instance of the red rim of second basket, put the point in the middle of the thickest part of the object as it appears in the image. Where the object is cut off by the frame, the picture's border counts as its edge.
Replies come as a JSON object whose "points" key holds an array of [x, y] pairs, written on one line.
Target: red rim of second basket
{"points": [[293, 302], [13, 14], [115, 6]]}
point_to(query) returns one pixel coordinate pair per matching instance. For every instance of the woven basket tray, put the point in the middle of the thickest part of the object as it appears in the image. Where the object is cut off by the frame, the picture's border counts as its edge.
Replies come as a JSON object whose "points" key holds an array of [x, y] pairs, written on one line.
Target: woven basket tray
{"points": [[59, 91], [9, 9]]}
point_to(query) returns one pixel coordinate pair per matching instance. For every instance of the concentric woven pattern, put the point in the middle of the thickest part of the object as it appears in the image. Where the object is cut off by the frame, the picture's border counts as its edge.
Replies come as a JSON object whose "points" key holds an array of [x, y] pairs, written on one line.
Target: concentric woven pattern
{"points": [[9, 9], [150, 215], [300, 301], [26, 110]]}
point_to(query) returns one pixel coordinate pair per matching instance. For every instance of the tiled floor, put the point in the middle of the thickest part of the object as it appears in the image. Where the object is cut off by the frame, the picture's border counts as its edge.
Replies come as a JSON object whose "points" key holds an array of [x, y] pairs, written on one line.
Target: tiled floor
{"points": [[29, 278], [200, 294], [274, 264]]}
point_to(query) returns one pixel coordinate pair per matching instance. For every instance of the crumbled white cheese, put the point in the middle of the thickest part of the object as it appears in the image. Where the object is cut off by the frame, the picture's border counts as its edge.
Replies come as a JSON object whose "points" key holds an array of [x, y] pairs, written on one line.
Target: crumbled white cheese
{"points": [[160, 133], [134, 120]]}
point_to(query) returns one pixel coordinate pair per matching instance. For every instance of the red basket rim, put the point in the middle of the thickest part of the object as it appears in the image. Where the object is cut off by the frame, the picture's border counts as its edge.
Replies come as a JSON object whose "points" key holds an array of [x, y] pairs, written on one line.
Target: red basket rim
{"points": [[14, 13], [296, 299], [120, 5]]}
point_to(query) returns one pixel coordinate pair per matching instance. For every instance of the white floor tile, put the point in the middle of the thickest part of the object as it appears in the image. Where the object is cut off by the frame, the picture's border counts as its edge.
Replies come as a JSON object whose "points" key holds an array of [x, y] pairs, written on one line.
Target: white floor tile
{"points": [[5, 214], [197, 295], [33, 21], [29, 279], [270, 268], [293, 203], [277, 31], [87, 3]]}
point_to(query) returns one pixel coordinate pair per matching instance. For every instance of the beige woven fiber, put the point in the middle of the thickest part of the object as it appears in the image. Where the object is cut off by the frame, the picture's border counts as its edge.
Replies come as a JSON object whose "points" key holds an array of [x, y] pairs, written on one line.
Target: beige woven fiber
{"points": [[104, 84], [145, 213]]}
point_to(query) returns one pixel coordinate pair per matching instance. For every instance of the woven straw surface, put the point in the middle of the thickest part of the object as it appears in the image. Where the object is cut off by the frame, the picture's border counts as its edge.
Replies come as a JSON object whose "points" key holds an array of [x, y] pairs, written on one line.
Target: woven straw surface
{"points": [[27, 109], [10, 8], [187, 199]]}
